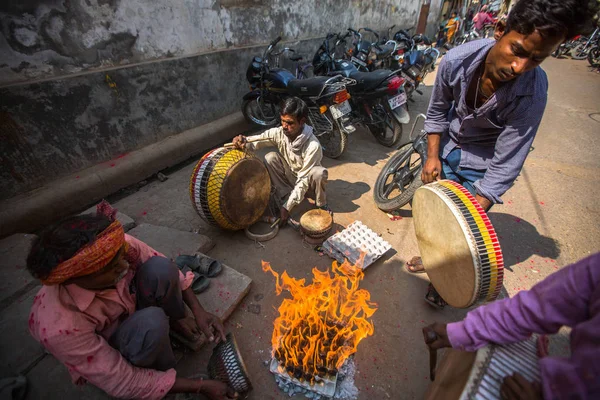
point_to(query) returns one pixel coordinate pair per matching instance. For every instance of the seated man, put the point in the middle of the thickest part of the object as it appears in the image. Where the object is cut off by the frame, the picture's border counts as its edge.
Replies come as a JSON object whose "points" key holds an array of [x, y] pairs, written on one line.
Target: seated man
{"points": [[488, 101], [296, 169], [569, 297], [106, 305]]}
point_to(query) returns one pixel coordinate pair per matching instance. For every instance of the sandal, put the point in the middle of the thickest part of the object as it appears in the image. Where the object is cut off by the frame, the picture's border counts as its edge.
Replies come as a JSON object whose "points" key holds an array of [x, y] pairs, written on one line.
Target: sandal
{"points": [[415, 265], [200, 283], [434, 299], [201, 263]]}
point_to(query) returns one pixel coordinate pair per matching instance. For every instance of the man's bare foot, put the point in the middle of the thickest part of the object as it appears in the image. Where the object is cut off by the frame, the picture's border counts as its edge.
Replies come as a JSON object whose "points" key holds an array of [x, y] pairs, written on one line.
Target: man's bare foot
{"points": [[187, 328], [415, 265]]}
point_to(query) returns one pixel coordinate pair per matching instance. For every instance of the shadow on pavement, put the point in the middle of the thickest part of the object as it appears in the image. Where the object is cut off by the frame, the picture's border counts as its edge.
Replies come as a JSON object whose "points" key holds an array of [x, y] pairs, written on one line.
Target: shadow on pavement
{"points": [[520, 240], [342, 194]]}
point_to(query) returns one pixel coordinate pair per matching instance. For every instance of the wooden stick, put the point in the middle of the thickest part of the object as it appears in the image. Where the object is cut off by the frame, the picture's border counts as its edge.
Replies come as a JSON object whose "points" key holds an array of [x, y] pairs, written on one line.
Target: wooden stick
{"points": [[252, 140], [275, 223]]}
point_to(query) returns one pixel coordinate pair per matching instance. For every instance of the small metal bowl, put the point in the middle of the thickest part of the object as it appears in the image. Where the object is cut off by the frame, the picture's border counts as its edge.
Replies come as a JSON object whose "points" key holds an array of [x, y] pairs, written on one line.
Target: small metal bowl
{"points": [[226, 365]]}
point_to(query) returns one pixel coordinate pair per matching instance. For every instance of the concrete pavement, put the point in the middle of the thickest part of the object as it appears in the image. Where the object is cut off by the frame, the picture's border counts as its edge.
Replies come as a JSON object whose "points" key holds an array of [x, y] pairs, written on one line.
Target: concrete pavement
{"points": [[550, 219]]}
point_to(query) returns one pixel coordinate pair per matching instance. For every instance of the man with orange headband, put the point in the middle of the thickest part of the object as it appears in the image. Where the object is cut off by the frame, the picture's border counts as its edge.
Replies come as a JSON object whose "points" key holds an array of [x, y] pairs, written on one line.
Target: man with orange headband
{"points": [[106, 307]]}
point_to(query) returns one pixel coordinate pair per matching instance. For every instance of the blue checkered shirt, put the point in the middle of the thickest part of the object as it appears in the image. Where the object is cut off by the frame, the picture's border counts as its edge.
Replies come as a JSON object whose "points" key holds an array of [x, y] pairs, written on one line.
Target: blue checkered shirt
{"points": [[495, 137]]}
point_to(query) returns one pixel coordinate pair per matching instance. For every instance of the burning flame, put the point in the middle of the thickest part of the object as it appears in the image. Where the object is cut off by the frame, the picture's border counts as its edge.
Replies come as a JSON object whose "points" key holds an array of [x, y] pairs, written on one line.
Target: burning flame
{"points": [[322, 324]]}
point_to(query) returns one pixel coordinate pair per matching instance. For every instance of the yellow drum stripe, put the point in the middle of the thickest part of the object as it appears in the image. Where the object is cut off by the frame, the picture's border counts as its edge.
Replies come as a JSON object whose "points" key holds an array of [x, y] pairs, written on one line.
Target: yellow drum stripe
{"points": [[484, 233], [215, 182]]}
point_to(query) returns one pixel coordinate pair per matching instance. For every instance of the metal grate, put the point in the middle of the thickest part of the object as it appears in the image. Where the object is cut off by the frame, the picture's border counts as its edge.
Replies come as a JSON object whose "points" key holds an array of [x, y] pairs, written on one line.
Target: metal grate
{"points": [[226, 365]]}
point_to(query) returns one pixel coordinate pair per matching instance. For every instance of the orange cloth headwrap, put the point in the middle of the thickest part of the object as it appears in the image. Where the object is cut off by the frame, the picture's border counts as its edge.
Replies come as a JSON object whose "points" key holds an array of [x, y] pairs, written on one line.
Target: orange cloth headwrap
{"points": [[90, 258]]}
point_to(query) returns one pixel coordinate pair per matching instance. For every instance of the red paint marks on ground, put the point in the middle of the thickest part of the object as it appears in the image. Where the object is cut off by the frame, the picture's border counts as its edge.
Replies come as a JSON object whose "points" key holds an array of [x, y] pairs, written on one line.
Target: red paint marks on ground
{"points": [[518, 219], [542, 203], [112, 164], [90, 358], [121, 156], [67, 332], [77, 177], [217, 310], [423, 321], [144, 212]]}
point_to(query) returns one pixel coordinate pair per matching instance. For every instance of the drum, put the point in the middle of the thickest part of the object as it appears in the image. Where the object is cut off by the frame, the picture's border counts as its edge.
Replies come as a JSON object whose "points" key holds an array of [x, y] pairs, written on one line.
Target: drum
{"points": [[316, 225], [459, 247], [230, 188], [462, 375]]}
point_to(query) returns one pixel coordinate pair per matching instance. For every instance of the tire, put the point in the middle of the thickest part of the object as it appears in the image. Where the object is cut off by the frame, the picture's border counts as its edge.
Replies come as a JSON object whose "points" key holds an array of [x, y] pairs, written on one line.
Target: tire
{"points": [[269, 119], [334, 143], [410, 182], [594, 56], [559, 52], [385, 135], [577, 53]]}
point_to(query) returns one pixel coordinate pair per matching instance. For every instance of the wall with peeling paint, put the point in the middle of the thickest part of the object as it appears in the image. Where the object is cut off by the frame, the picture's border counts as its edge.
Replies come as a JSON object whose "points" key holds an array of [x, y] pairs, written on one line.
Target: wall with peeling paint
{"points": [[84, 81]]}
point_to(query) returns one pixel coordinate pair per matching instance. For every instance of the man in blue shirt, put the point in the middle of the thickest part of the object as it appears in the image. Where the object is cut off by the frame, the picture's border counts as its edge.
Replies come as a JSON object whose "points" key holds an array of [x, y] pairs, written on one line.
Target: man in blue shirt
{"points": [[488, 101]]}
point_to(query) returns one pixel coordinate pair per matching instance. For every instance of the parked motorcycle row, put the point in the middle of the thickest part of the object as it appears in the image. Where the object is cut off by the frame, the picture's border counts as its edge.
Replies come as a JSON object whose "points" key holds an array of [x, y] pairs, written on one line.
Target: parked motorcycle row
{"points": [[581, 48], [361, 78]]}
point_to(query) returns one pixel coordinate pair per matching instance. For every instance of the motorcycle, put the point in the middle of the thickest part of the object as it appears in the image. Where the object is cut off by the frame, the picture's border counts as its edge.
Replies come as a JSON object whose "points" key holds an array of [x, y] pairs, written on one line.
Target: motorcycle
{"points": [[581, 50], [378, 99], [417, 62], [326, 98], [401, 176]]}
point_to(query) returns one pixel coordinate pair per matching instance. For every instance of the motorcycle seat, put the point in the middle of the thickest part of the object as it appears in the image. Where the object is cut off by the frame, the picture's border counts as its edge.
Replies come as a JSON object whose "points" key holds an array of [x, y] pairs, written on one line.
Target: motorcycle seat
{"points": [[307, 87], [386, 50], [369, 80]]}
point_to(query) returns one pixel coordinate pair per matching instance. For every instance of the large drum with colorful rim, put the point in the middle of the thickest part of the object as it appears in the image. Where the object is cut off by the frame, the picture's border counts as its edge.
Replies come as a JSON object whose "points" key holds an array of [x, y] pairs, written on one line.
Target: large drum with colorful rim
{"points": [[230, 188], [458, 244]]}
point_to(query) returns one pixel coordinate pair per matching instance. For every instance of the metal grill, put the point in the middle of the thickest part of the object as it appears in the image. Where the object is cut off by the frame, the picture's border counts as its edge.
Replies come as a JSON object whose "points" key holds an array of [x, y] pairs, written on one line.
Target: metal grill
{"points": [[226, 365], [320, 122]]}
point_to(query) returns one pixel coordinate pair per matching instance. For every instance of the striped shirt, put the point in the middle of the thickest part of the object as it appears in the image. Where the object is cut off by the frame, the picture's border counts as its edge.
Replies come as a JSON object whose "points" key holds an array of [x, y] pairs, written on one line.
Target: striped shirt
{"points": [[495, 137]]}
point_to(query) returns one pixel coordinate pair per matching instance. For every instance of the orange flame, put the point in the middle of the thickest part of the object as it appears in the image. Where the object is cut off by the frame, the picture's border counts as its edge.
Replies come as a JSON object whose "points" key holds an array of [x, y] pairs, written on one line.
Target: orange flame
{"points": [[322, 324]]}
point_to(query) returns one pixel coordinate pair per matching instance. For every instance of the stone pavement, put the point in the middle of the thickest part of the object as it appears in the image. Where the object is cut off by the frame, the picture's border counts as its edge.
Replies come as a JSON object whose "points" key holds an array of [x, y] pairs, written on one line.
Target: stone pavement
{"points": [[21, 354]]}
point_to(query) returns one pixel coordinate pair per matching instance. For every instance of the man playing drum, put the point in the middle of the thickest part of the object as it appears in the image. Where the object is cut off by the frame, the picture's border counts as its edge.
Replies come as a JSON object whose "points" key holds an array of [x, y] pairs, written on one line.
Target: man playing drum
{"points": [[295, 169], [569, 297], [488, 101]]}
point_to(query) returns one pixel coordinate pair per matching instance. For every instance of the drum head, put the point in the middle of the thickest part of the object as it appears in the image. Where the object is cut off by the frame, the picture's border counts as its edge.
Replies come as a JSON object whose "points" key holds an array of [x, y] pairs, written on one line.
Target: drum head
{"points": [[245, 192], [315, 222], [444, 244]]}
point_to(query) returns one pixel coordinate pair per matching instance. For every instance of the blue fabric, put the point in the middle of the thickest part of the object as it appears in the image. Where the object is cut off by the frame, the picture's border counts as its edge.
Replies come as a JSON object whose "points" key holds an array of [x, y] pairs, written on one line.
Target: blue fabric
{"points": [[452, 170], [496, 136]]}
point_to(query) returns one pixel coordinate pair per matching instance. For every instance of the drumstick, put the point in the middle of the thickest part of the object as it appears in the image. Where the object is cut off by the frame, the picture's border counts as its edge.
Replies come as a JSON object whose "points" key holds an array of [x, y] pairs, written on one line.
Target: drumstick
{"points": [[275, 223], [252, 140]]}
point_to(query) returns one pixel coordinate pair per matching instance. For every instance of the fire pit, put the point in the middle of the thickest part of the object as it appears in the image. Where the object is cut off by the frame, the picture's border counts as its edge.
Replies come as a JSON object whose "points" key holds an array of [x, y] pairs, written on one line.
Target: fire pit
{"points": [[320, 326]]}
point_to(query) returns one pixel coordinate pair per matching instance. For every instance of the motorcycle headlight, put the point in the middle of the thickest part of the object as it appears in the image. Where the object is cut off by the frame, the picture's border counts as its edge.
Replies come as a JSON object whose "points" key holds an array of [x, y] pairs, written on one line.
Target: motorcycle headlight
{"points": [[362, 56]]}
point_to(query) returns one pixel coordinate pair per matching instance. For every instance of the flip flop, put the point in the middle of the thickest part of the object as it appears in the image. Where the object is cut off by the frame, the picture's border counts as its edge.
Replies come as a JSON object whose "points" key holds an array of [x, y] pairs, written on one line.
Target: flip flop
{"points": [[415, 261], [200, 263], [434, 299], [200, 283]]}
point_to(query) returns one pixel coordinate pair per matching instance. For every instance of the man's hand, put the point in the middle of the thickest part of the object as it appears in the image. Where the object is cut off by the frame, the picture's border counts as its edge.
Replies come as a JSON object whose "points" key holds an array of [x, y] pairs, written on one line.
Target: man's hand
{"points": [[211, 326], [239, 142], [432, 170], [483, 202], [217, 390], [516, 387], [435, 336], [283, 216]]}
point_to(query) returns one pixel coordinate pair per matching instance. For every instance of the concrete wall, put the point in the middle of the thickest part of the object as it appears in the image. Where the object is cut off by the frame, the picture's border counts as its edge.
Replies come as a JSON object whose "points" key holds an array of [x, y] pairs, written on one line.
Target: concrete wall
{"points": [[86, 81]]}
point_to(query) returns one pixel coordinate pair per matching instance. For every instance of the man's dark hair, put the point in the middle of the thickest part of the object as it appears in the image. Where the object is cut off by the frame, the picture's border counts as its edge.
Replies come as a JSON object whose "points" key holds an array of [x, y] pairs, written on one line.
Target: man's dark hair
{"points": [[295, 107], [59, 242], [552, 18]]}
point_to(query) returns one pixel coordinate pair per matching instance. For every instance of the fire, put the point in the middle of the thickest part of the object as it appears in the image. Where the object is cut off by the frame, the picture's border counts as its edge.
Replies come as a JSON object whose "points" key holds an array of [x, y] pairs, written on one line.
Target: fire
{"points": [[322, 324]]}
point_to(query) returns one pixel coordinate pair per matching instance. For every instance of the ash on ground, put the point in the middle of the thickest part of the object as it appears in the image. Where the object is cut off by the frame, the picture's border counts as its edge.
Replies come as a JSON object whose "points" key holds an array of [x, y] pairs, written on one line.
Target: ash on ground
{"points": [[344, 390]]}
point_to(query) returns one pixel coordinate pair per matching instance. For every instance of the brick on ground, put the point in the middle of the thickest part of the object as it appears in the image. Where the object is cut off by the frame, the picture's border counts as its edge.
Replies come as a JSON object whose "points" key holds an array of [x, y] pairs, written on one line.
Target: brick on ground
{"points": [[171, 242]]}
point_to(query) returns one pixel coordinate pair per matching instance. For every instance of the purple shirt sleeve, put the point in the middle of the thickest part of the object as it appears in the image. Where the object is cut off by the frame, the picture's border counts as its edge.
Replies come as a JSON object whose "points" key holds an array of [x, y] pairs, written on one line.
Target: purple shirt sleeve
{"points": [[569, 297], [440, 101]]}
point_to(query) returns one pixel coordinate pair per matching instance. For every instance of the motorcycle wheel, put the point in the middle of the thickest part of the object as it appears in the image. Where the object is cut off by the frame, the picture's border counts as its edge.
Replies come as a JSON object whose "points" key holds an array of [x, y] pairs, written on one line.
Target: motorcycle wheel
{"points": [[577, 53], [594, 56], [559, 52], [399, 179], [389, 131], [265, 115], [333, 142]]}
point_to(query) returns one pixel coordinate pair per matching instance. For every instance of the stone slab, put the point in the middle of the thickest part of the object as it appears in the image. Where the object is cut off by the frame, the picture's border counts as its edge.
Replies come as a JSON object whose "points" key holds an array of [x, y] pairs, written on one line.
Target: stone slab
{"points": [[49, 379], [13, 260], [125, 220], [18, 349], [171, 242]]}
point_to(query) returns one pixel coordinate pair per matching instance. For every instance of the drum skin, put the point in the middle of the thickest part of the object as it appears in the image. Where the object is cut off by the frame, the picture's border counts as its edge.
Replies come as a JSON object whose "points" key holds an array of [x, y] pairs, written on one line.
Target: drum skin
{"points": [[316, 224], [230, 188], [458, 244]]}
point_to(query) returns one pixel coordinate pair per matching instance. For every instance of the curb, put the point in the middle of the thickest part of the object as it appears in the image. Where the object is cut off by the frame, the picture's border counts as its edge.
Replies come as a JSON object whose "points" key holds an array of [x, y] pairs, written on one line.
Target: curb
{"points": [[30, 211]]}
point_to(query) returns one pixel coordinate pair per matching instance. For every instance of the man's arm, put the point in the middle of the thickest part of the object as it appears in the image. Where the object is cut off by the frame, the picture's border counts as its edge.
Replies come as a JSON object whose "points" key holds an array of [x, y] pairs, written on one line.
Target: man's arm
{"points": [[512, 147], [437, 122], [268, 137], [312, 158]]}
